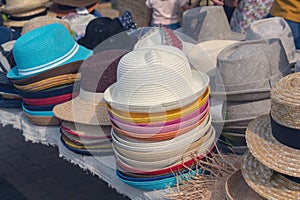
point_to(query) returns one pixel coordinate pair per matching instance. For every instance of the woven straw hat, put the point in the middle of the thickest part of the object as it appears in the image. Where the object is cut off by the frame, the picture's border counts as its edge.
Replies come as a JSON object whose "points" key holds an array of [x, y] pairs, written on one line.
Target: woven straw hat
{"points": [[275, 27], [259, 63], [155, 79], [21, 6], [97, 73], [42, 120], [42, 21], [208, 23], [237, 188], [267, 138], [51, 46], [267, 183]]}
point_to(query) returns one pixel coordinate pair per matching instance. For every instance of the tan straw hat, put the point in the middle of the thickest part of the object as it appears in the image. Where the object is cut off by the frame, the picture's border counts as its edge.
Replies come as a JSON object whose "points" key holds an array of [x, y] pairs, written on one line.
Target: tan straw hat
{"points": [[41, 21], [266, 182], [274, 140], [237, 188], [21, 6]]}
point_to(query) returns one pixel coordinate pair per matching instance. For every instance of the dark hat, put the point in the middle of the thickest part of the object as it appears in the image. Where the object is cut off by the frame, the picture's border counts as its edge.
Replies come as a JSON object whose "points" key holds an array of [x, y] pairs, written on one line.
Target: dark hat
{"points": [[7, 34], [99, 30], [75, 3]]}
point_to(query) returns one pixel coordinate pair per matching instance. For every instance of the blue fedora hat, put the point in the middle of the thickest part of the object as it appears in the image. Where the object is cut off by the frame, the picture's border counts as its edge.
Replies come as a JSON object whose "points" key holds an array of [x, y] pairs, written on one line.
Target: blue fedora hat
{"points": [[45, 48], [7, 34]]}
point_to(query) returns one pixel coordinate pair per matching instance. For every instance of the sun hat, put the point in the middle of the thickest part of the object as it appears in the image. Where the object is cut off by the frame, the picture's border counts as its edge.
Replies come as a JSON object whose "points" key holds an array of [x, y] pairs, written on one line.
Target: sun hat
{"points": [[38, 108], [42, 120], [155, 79], [50, 82], [259, 63], [236, 139], [6, 56], [97, 73], [237, 188], [42, 21], [208, 23], [266, 182], [8, 34], [51, 100], [274, 137], [63, 10], [50, 45], [38, 113], [78, 144], [21, 6], [100, 29], [275, 27], [69, 68], [75, 3]]}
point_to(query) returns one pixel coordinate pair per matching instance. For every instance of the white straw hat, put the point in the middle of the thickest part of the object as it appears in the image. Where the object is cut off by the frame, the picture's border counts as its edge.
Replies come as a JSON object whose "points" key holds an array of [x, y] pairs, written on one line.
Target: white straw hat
{"points": [[22, 6], [155, 79]]}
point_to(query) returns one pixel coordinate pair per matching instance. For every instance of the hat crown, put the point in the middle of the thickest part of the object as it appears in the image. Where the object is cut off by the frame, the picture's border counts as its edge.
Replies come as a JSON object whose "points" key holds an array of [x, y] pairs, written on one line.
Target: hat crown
{"points": [[274, 27], [42, 46], [151, 75], [18, 2]]}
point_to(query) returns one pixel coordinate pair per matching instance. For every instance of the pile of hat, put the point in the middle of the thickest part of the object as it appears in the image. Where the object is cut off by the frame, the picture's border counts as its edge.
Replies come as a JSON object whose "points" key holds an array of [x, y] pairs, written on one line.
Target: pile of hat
{"points": [[85, 128], [272, 166], [246, 72], [18, 12], [159, 109], [47, 60], [9, 98]]}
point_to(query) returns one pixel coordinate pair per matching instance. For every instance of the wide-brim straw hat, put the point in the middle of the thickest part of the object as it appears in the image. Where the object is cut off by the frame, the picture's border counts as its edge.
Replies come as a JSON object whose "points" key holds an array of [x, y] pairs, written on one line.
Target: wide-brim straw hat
{"points": [[16, 6], [75, 3], [70, 68], [237, 188], [266, 182], [41, 21], [21, 23], [43, 120], [270, 152], [208, 23], [50, 82], [275, 27], [155, 79]]}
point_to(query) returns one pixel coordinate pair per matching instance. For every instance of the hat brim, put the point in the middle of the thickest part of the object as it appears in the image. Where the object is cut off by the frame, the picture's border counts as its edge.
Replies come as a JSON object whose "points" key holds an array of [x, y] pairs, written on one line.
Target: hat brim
{"points": [[236, 188], [269, 151], [198, 77], [82, 111], [266, 182], [81, 54], [74, 3], [19, 8], [42, 120]]}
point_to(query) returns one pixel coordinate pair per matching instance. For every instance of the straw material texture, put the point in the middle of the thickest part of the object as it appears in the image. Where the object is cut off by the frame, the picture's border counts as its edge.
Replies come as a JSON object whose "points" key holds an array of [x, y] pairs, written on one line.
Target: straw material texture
{"points": [[266, 182], [50, 82], [43, 121], [269, 151], [237, 188], [21, 6], [285, 97]]}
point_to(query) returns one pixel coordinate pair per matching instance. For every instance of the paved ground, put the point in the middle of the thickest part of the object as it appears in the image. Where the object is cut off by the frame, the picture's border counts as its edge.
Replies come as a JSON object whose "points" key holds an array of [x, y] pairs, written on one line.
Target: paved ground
{"points": [[34, 171]]}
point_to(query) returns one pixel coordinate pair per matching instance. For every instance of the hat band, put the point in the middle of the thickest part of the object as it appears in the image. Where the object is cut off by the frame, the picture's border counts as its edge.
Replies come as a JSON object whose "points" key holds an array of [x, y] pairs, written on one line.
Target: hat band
{"points": [[91, 96], [285, 135], [52, 64], [14, 18], [292, 178]]}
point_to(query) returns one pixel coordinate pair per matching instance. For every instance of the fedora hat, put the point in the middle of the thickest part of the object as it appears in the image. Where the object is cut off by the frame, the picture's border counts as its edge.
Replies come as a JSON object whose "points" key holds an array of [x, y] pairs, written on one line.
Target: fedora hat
{"points": [[247, 70], [266, 182], [273, 138], [42, 21], [237, 188], [45, 48], [275, 27], [20, 6], [6, 56], [75, 3], [155, 79], [97, 73], [8, 34], [100, 29], [63, 10], [208, 23]]}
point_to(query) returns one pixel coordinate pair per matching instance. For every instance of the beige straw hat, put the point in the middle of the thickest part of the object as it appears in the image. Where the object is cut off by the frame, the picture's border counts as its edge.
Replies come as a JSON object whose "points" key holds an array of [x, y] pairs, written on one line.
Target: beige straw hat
{"points": [[42, 120], [266, 182], [20, 6], [237, 188], [41, 21], [282, 153]]}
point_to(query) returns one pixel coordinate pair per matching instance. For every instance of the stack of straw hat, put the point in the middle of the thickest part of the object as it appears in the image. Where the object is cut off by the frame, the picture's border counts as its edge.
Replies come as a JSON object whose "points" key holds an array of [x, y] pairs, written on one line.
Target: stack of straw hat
{"points": [[271, 167], [9, 98], [47, 60], [20, 11], [160, 115], [86, 126], [246, 72]]}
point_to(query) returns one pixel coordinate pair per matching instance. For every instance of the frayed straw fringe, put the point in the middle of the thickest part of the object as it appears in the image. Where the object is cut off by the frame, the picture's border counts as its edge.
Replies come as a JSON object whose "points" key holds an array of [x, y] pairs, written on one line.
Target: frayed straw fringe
{"points": [[207, 185]]}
